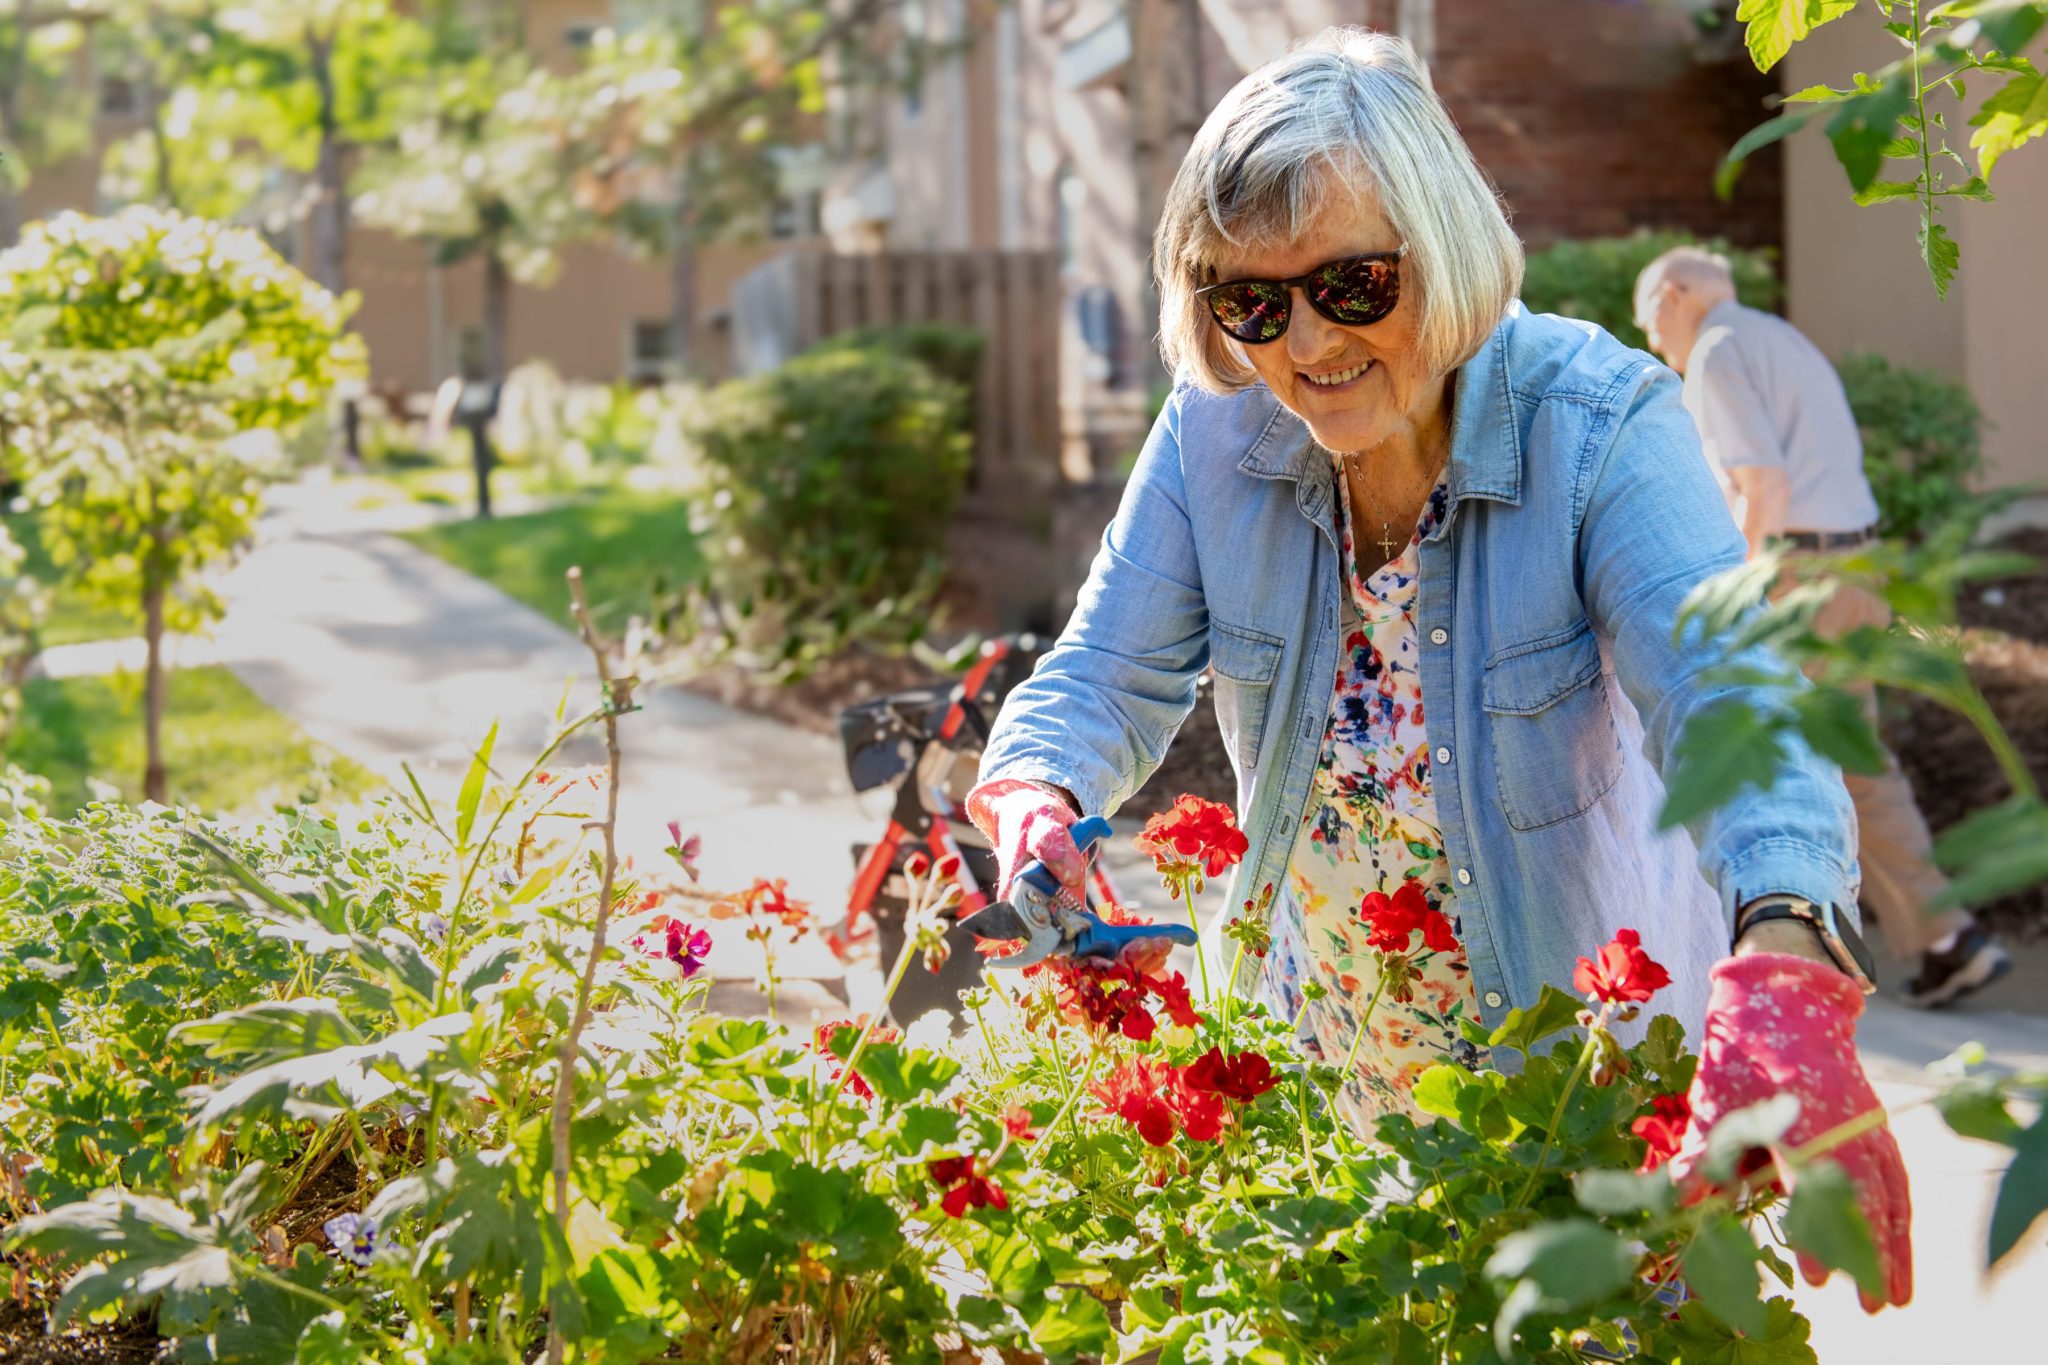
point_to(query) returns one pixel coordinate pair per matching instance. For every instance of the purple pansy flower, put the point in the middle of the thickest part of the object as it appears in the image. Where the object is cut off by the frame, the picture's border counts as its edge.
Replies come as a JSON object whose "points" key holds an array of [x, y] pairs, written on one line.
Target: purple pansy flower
{"points": [[688, 946], [354, 1236]]}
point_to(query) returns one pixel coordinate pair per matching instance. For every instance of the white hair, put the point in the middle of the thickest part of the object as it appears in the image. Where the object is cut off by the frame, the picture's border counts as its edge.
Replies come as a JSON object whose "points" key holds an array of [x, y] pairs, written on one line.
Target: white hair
{"points": [[1705, 272], [1350, 112]]}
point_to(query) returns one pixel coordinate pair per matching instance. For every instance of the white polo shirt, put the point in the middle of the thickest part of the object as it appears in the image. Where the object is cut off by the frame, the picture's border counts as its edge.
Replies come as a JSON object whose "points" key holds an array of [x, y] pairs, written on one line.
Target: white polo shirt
{"points": [[1764, 396]]}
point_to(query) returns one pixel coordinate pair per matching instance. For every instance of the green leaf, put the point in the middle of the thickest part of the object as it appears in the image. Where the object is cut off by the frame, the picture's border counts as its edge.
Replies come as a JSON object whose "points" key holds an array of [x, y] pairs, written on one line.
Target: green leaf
{"points": [[135, 1250], [1884, 191], [1752, 142], [326, 1342], [1725, 748], [901, 1075], [1554, 1268], [1994, 852], [1705, 1340], [1618, 1193], [1975, 1108], [1864, 126], [1824, 1221], [1941, 253], [2014, 116], [1759, 1125], [2022, 1192], [1720, 1266], [472, 792], [1818, 94], [1774, 25], [2007, 25], [1833, 724], [1436, 1090], [1523, 1029]]}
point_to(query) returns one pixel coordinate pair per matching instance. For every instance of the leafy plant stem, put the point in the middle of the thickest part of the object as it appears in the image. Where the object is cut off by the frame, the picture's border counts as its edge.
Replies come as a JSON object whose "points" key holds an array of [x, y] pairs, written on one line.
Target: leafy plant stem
{"points": [[1926, 133], [332, 1305], [565, 1068], [987, 1041], [1564, 1097], [1342, 1126], [1087, 1075], [1187, 895], [1230, 989]]}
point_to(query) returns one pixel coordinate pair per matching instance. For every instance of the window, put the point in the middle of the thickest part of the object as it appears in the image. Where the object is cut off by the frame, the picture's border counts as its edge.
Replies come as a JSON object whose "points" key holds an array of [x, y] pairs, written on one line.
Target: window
{"points": [[651, 353], [797, 214], [119, 97], [579, 34]]}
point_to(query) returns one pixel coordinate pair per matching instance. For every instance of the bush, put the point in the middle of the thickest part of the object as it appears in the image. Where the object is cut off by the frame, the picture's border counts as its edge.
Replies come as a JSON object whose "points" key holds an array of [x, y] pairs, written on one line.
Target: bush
{"points": [[1596, 280], [826, 489], [1922, 442], [952, 353]]}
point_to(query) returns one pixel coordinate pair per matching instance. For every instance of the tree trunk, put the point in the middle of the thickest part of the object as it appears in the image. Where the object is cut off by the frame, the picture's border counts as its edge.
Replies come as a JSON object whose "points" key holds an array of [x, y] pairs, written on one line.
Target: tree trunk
{"points": [[155, 783], [160, 141], [1165, 95], [12, 66], [497, 322], [330, 221]]}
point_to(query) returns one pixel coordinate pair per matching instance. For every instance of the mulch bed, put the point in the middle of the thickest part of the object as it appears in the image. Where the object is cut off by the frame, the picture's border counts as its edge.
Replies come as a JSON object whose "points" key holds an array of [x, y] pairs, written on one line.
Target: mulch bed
{"points": [[1943, 756], [22, 1341]]}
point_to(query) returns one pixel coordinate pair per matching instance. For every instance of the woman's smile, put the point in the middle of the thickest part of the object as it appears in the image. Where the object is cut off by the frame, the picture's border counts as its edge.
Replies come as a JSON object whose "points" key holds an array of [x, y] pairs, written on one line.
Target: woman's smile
{"points": [[1337, 381]]}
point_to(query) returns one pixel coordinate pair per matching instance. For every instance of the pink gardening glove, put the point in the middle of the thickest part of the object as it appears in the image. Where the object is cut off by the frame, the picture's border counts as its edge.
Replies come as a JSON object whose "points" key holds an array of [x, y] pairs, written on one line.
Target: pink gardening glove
{"points": [[1780, 1024], [1025, 821]]}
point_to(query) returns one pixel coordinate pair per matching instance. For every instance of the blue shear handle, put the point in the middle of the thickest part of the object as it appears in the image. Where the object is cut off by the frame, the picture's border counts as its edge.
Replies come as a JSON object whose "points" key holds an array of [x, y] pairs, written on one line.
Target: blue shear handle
{"points": [[1097, 939], [1086, 834]]}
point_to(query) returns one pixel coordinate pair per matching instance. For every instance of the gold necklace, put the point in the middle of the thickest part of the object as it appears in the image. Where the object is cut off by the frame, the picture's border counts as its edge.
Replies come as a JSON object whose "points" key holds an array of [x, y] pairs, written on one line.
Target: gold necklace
{"points": [[1386, 540]]}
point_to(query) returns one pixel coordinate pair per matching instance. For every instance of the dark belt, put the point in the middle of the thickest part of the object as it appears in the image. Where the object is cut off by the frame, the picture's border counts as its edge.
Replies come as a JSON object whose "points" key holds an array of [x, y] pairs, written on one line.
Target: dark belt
{"points": [[1829, 540]]}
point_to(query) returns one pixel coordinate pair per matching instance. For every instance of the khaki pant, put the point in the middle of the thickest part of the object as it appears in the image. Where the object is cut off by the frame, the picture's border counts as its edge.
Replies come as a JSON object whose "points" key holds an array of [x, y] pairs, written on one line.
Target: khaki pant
{"points": [[1899, 878]]}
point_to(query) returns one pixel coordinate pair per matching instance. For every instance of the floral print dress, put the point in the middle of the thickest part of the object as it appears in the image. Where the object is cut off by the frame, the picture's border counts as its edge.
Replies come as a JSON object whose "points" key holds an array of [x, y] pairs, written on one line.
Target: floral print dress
{"points": [[1371, 825]]}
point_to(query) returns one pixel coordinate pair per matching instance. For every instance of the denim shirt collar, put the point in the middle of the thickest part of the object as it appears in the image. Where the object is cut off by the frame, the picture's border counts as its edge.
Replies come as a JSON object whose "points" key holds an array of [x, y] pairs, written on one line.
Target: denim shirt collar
{"points": [[1486, 439]]}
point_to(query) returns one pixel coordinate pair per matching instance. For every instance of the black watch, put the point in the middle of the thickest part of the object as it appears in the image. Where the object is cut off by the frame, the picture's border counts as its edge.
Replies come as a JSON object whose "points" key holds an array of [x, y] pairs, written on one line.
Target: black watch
{"points": [[1837, 935]]}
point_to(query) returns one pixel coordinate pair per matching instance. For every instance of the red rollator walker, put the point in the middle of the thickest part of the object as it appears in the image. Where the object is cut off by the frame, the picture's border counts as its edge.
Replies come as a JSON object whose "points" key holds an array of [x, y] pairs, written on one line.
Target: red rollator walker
{"points": [[927, 741]]}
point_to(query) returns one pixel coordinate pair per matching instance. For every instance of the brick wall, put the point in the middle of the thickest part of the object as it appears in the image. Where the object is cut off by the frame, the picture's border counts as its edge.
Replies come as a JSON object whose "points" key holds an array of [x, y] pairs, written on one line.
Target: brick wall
{"points": [[1597, 117]]}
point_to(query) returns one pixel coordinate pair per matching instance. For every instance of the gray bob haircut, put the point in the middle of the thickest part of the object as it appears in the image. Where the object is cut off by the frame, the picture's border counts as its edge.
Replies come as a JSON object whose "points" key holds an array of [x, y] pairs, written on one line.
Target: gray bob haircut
{"points": [[1350, 112]]}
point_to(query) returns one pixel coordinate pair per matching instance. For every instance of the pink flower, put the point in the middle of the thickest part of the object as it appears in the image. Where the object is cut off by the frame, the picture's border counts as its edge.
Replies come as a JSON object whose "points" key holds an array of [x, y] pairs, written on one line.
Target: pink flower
{"points": [[1621, 973]]}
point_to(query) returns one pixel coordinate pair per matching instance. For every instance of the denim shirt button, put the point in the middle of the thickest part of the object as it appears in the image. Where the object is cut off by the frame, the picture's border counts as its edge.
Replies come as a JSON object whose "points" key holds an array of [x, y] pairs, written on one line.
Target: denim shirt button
{"points": [[1464, 876], [1494, 1000], [1443, 755], [1439, 636]]}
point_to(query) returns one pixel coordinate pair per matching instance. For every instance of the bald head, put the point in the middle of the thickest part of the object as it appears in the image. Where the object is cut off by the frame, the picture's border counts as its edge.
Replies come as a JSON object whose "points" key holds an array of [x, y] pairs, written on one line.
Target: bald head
{"points": [[1675, 293]]}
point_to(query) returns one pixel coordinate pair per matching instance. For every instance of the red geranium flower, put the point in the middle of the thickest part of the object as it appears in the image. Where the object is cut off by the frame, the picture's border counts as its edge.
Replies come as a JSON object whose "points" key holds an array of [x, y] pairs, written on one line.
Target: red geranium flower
{"points": [[1663, 1128], [1243, 1077], [1017, 1123], [1106, 996], [1174, 999], [1193, 831], [1135, 1092], [1392, 920], [965, 1187], [1437, 934], [1200, 1111], [1621, 973], [773, 900]]}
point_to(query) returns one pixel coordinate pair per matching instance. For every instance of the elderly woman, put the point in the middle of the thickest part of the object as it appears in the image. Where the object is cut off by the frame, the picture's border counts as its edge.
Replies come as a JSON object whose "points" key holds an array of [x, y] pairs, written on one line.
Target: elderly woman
{"points": [[1434, 549]]}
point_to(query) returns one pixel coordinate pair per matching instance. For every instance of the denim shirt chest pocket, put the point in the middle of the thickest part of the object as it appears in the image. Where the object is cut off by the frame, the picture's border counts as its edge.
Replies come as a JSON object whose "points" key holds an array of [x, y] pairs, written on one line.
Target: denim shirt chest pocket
{"points": [[1244, 661], [1556, 751]]}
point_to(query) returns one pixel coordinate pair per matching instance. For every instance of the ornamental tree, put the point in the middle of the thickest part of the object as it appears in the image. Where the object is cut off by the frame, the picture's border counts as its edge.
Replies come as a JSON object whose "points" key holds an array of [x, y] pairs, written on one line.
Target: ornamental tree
{"points": [[147, 362]]}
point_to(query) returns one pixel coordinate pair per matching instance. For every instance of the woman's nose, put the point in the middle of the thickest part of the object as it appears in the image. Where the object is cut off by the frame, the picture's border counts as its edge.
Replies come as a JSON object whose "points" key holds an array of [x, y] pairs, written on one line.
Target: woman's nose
{"points": [[1309, 336]]}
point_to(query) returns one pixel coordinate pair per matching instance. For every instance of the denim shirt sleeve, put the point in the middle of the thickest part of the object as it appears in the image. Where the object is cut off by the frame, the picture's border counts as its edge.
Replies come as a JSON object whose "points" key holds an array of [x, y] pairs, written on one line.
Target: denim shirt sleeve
{"points": [[1097, 713], [1654, 526]]}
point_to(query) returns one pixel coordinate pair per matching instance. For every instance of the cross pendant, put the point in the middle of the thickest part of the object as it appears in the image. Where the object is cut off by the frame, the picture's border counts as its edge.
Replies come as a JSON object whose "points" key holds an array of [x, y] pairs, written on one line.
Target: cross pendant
{"points": [[1386, 541]]}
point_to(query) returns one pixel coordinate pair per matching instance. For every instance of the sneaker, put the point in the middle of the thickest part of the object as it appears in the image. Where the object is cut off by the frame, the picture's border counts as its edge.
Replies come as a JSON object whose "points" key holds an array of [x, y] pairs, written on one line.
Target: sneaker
{"points": [[1975, 961]]}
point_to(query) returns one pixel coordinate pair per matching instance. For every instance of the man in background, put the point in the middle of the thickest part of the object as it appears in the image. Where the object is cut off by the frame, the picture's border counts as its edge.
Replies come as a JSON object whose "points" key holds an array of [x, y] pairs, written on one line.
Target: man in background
{"points": [[1778, 432]]}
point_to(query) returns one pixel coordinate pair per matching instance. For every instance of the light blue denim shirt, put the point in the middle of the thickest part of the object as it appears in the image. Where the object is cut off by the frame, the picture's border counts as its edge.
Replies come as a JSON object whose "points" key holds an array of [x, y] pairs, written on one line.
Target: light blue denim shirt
{"points": [[1554, 683]]}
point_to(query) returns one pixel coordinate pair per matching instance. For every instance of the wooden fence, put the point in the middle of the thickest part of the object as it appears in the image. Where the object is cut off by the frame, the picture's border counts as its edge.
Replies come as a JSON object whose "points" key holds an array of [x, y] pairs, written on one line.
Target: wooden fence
{"points": [[1012, 298]]}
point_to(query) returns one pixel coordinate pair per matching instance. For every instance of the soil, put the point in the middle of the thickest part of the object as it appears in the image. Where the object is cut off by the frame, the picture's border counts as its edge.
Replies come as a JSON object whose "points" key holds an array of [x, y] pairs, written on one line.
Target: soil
{"points": [[22, 1340]]}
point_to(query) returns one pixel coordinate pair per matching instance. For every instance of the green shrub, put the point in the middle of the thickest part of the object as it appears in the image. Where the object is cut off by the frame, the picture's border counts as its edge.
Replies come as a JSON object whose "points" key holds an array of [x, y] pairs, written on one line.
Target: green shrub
{"points": [[826, 490], [1596, 280], [952, 353], [1922, 442]]}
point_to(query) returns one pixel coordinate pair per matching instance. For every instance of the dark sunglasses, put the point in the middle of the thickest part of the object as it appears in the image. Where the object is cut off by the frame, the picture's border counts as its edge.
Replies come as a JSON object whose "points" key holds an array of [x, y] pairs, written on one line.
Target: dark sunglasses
{"points": [[1355, 291]]}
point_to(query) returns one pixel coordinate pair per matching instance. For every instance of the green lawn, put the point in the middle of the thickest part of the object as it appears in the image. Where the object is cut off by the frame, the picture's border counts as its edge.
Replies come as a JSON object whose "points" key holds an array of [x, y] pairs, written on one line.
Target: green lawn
{"points": [[71, 621], [625, 541], [225, 750]]}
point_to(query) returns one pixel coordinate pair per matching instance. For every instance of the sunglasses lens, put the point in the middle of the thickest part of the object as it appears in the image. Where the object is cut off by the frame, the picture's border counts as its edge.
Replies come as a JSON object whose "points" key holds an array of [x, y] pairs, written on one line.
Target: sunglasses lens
{"points": [[1251, 311], [1356, 293]]}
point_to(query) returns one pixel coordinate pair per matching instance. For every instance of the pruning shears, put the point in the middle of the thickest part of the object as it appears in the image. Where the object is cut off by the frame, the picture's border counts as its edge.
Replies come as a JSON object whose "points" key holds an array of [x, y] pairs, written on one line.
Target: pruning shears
{"points": [[1053, 922]]}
